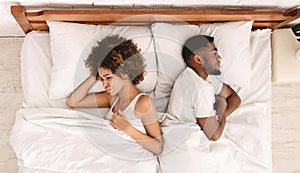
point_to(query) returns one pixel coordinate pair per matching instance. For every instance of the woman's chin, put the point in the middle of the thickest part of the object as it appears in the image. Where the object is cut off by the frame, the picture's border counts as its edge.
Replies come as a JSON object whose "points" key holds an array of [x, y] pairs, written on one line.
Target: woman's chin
{"points": [[111, 93]]}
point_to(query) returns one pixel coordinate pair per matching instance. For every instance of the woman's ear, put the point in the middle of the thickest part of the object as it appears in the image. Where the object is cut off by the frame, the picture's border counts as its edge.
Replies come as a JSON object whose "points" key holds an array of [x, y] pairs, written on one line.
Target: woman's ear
{"points": [[124, 76]]}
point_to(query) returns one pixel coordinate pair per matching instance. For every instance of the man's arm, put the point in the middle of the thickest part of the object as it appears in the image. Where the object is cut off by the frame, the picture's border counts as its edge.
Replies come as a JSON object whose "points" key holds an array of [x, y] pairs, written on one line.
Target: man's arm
{"points": [[226, 102], [231, 97], [211, 126]]}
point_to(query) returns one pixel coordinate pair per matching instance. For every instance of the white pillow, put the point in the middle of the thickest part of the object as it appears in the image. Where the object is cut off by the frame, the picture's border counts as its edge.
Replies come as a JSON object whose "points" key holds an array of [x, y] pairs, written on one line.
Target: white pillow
{"points": [[231, 38], [71, 43], [233, 42], [35, 69]]}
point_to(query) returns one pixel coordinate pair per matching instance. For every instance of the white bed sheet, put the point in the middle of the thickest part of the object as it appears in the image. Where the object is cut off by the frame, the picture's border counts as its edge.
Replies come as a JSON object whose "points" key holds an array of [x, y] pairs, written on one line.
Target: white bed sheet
{"points": [[245, 145]]}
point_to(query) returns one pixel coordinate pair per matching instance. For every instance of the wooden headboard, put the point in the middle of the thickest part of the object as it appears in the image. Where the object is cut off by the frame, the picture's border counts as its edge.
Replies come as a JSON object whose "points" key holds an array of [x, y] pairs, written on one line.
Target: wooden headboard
{"points": [[262, 19]]}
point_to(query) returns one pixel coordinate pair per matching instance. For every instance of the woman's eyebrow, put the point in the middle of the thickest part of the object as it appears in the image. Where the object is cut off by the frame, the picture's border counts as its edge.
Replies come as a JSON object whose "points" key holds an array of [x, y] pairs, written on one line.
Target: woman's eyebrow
{"points": [[104, 76]]}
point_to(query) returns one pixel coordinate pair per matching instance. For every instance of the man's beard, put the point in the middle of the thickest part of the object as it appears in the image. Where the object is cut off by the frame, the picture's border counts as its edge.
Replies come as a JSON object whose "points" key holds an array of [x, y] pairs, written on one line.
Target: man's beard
{"points": [[215, 72]]}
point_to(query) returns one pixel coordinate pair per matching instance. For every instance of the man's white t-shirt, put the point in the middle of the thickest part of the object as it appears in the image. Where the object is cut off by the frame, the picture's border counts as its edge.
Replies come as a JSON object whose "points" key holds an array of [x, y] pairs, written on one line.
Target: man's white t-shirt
{"points": [[192, 97]]}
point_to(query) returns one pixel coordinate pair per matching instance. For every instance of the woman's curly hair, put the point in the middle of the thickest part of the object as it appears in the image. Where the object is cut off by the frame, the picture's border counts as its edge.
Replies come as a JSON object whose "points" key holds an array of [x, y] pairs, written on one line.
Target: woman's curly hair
{"points": [[120, 55]]}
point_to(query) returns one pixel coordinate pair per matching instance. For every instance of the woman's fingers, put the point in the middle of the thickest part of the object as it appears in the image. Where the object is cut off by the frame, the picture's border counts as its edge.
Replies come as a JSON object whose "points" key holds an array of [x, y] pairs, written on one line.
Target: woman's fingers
{"points": [[115, 117], [119, 122]]}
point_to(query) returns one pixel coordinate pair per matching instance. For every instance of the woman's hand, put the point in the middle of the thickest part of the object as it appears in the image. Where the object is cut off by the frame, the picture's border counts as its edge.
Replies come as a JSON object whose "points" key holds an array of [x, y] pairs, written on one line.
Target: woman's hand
{"points": [[120, 122]]}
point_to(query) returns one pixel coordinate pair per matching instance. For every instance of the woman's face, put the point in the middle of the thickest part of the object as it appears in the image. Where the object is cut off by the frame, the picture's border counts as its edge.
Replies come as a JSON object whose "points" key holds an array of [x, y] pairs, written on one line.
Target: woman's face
{"points": [[111, 82]]}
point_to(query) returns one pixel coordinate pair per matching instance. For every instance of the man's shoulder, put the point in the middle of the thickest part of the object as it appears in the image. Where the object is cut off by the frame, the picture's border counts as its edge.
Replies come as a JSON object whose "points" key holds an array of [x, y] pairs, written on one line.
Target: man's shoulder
{"points": [[186, 81]]}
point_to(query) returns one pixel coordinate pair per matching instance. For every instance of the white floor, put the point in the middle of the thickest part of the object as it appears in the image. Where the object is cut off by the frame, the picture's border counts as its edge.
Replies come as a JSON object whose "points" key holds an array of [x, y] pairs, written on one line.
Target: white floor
{"points": [[286, 128], [285, 113], [10, 98]]}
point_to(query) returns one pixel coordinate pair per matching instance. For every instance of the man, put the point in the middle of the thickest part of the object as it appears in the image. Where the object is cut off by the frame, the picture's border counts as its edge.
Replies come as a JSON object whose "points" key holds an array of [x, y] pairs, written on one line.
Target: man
{"points": [[197, 97]]}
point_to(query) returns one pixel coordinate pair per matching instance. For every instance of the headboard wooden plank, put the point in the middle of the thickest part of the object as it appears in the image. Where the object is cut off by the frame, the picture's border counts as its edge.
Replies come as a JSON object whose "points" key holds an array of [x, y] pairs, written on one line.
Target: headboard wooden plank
{"points": [[295, 15], [104, 15], [19, 13], [262, 19]]}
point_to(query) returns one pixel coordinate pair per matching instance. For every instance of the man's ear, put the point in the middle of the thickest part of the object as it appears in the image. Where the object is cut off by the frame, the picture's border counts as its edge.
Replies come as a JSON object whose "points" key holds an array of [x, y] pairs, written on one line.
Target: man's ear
{"points": [[197, 59]]}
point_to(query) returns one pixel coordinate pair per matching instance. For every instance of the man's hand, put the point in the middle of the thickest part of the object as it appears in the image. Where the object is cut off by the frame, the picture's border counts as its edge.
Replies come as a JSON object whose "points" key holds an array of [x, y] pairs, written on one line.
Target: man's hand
{"points": [[220, 106], [232, 99]]}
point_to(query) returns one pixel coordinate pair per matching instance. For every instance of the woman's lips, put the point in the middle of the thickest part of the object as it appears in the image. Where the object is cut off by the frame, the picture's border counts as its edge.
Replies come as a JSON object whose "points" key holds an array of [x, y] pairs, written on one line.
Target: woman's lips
{"points": [[108, 90]]}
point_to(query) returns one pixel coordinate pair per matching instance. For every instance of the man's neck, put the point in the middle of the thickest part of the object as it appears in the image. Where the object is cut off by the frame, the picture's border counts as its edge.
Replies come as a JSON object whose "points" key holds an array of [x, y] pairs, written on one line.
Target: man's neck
{"points": [[200, 72]]}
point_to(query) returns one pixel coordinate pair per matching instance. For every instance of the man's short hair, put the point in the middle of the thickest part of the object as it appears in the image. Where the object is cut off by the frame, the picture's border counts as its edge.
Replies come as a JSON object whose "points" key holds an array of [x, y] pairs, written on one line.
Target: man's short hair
{"points": [[194, 43]]}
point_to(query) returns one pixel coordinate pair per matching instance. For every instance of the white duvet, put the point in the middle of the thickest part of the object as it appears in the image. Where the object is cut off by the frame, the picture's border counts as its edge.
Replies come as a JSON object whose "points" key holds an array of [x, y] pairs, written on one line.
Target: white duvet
{"points": [[243, 147], [62, 140], [67, 140]]}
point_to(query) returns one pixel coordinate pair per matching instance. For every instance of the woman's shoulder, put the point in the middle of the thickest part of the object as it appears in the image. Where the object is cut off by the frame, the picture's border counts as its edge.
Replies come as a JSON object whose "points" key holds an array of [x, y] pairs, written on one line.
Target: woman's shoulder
{"points": [[144, 104]]}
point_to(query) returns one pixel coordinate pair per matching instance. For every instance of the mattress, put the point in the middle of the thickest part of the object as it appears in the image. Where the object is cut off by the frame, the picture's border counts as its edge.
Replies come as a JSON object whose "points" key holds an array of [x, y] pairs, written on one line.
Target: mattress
{"points": [[48, 137]]}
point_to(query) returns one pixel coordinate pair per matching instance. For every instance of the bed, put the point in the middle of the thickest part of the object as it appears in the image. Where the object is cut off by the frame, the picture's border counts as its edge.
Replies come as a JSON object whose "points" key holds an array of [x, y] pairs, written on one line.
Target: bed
{"points": [[50, 137]]}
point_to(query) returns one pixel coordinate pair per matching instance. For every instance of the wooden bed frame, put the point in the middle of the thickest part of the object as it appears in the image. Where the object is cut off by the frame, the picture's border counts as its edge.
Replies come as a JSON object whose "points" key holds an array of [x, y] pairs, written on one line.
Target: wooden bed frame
{"points": [[262, 19]]}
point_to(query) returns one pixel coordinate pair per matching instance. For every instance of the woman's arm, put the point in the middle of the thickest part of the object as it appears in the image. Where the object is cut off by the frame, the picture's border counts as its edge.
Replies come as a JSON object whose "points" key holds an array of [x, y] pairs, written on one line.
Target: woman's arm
{"points": [[145, 109], [81, 98]]}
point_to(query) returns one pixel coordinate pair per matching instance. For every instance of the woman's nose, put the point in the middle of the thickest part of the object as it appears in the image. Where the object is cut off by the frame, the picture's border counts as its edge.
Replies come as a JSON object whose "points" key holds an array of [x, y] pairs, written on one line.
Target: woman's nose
{"points": [[105, 83]]}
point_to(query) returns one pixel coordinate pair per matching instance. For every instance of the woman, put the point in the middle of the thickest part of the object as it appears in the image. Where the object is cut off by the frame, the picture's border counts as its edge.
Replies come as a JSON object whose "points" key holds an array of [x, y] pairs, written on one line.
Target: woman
{"points": [[117, 62]]}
